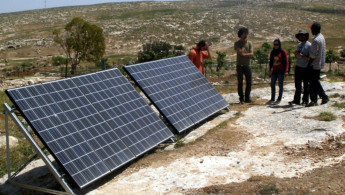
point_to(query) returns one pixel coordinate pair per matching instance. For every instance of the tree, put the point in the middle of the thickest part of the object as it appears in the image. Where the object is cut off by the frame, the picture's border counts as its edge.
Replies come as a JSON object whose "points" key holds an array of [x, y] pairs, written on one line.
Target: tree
{"points": [[266, 47], [220, 60], [331, 57], [81, 41], [103, 63], [17, 69], [24, 65], [159, 50], [260, 56], [179, 48], [58, 60], [208, 64]]}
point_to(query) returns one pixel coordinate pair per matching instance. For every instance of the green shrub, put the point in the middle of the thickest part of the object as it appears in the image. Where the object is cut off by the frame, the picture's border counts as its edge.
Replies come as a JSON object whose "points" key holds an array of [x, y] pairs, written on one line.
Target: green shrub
{"points": [[340, 105], [222, 124], [179, 142], [159, 50], [327, 116], [269, 189], [58, 60], [103, 64]]}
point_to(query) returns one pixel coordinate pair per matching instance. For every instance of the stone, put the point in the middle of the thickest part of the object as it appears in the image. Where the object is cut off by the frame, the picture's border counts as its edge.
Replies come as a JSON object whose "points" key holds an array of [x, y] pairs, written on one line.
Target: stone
{"points": [[30, 82], [314, 145], [13, 142]]}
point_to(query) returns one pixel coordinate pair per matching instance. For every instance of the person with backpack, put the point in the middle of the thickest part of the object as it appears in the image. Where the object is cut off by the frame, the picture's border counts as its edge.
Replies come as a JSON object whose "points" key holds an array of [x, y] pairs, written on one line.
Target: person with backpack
{"points": [[279, 67]]}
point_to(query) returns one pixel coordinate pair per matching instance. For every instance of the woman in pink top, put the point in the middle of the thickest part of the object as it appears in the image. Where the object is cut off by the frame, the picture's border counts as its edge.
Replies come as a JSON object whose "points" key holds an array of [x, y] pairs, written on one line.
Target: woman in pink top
{"points": [[279, 67], [197, 55]]}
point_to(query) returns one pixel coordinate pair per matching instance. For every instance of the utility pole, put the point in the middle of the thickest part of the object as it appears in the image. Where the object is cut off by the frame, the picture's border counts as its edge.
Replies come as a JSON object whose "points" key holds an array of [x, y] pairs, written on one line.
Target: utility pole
{"points": [[45, 4]]}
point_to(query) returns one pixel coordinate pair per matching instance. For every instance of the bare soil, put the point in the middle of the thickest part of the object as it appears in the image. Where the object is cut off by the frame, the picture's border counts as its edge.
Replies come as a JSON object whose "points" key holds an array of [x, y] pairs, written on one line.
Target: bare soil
{"points": [[326, 180]]}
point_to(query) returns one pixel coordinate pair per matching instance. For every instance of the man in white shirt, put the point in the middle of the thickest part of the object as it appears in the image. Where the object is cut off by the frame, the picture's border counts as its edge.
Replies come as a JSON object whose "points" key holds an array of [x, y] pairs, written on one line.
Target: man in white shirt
{"points": [[317, 62]]}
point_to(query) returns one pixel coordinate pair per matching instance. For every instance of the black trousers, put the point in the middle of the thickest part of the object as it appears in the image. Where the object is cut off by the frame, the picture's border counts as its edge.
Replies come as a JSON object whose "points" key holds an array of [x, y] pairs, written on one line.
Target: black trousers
{"points": [[301, 76], [247, 72], [315, 86]]}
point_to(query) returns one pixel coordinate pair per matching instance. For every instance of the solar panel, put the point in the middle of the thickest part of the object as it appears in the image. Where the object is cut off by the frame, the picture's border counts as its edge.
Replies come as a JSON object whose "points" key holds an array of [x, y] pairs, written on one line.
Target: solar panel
{"points": [[91, 124], [178, 90]]}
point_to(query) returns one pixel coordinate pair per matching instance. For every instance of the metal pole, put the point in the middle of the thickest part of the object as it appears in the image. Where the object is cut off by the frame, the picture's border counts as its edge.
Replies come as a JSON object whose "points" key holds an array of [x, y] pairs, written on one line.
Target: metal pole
{"points": [[45, 190], [7, 144], [45, 159]]}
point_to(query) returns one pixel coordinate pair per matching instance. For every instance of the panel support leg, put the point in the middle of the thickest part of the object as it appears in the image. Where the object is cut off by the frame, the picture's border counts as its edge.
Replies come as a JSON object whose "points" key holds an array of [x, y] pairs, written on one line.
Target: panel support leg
{"points": [[39, 151]]}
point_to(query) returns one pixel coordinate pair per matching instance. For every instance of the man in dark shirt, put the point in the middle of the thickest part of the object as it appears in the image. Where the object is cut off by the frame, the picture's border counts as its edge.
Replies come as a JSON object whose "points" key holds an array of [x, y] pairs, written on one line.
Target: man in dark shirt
{"points": [[244, 49]]}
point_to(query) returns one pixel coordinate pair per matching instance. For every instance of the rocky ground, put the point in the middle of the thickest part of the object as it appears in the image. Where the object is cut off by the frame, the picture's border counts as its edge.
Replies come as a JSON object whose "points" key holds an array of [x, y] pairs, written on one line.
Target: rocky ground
{"points": [[7, 84], [253, 149]]}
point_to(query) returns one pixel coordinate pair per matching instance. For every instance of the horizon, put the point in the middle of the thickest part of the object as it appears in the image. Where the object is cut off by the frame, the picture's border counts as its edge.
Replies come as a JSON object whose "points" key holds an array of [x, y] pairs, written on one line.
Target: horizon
{"points": [[14, 6]]}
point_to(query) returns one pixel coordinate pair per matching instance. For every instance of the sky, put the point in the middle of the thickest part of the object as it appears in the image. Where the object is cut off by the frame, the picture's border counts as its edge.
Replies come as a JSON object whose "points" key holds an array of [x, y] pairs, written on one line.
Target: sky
{"points": [[7, 6]]}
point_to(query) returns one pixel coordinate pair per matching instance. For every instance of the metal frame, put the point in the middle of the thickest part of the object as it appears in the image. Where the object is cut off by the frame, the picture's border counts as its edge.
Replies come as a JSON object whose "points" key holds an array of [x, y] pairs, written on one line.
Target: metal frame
{"points": [[39, 151]]}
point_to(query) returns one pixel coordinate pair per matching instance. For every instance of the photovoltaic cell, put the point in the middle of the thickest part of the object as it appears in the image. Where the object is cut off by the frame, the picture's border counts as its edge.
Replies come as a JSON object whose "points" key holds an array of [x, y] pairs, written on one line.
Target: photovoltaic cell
{"points": [[92, 124], [178, 90]]}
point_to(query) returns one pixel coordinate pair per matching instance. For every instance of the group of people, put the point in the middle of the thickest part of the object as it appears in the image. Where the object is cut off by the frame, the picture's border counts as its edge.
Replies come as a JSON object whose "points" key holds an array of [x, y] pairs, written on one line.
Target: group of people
{"points": [[310, 60]]}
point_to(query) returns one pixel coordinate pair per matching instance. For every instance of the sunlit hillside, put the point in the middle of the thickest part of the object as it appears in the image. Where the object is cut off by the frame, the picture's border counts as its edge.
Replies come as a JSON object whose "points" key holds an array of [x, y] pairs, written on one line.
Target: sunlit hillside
{"points": [[128, 25]]}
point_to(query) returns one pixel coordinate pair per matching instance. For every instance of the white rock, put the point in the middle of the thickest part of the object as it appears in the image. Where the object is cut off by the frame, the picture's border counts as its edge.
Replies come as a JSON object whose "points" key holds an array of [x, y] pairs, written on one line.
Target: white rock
{"points": [[13, 142], [315, 145], [24, 122], [30, 82]]}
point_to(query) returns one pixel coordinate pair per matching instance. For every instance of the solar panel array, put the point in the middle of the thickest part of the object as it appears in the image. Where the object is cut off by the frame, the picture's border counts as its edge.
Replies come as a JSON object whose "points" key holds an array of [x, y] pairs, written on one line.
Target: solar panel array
{"points": [[178, 90], [92, 124]]}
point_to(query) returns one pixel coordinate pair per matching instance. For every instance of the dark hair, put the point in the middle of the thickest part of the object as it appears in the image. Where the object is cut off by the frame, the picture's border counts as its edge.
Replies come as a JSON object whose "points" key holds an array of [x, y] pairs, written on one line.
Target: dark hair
{"points": [[316, 27], [276, 52], [201, 43], [279, 43], [241, 31]]}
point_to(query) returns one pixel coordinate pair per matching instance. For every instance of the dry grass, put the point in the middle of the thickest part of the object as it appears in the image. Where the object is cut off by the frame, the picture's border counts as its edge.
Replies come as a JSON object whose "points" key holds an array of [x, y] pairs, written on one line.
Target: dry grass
{"points": [[327, 116], [340, 105]]}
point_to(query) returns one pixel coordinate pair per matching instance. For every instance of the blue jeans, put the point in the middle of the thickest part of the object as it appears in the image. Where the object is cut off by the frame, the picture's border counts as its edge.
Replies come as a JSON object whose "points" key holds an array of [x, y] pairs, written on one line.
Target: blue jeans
{"points": [[277, 74]]}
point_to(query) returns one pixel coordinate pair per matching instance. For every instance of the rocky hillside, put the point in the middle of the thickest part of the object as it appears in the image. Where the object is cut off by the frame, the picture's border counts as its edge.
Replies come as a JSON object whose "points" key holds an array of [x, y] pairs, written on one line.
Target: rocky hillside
{"points": [[128, 25]]}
